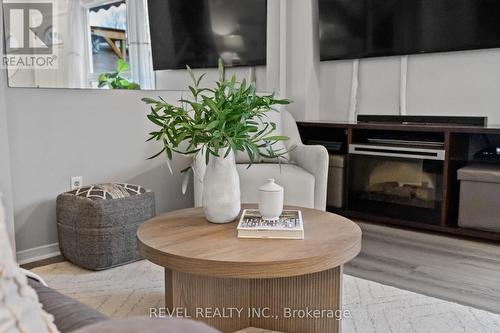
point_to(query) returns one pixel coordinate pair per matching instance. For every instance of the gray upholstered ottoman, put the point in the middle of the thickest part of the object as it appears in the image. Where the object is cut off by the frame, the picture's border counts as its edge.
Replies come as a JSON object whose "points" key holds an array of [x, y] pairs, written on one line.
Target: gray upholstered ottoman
{"points": [[97, 225], [479, 197]]}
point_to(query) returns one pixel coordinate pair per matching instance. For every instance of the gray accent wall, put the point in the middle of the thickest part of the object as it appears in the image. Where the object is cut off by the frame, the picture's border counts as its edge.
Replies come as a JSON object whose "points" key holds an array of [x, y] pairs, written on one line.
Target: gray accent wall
{"points": [[5, 174], [47, 136], [100, 135]]}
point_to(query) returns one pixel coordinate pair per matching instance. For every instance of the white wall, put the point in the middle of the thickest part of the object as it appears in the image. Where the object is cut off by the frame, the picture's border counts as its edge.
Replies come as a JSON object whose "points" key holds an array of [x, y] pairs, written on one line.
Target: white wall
{"points": [[173, 80], [453, 83], [461, 83], [378, 87]]}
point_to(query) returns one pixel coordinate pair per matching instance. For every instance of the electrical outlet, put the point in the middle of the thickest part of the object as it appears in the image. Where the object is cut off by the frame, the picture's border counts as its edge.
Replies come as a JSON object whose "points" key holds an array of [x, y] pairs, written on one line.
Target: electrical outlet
{"points": [[76, 182]]}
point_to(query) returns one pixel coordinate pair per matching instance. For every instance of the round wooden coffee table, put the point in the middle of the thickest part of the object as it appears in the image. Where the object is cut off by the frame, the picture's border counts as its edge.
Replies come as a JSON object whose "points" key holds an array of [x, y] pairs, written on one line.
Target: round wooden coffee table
{"points": [[231, 283]]}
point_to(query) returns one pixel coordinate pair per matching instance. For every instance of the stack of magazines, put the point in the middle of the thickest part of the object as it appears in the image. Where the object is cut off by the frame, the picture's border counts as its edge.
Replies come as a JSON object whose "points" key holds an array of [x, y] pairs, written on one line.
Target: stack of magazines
{"points": [[289, 225]]}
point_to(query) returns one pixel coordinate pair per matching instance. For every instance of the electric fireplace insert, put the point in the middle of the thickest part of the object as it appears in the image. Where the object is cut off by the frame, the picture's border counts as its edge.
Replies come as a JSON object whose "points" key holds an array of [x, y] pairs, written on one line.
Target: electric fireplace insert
{"points": [[397, 179]]}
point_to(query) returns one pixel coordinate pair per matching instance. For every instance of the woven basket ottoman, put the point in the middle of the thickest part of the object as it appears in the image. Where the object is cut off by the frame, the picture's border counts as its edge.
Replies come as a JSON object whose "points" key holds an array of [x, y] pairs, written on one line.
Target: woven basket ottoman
{"points": [[97, 225]]}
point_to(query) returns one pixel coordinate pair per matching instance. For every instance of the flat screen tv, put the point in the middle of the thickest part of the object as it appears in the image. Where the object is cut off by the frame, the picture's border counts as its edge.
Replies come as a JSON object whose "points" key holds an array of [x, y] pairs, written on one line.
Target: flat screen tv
{"points": [[371, 28], [199, 32]]}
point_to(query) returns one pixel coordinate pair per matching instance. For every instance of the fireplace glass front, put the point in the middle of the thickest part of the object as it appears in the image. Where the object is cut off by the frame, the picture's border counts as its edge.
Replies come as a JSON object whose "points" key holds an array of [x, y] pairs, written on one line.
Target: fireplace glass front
{"points": [[400, 188]]}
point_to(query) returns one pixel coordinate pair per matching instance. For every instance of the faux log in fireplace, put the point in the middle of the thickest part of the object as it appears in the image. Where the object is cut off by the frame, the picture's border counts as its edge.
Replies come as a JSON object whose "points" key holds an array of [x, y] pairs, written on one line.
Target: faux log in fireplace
{"points": [[413, 195], [403, 174], [397, 187]]}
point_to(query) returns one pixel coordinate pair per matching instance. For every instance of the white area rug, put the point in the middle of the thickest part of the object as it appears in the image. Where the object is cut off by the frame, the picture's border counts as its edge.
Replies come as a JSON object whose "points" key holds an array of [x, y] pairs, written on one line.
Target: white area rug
{"points": [[133, 289]]}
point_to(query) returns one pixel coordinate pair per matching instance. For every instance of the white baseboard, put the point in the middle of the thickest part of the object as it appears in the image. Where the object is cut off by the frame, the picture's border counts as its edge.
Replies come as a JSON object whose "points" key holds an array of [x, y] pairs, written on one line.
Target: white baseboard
{"points": [[38, 253]]}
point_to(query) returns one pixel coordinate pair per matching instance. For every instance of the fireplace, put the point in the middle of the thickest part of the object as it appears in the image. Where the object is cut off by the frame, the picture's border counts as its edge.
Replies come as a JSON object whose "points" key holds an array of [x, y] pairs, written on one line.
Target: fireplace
{"points": [[396, 185]]}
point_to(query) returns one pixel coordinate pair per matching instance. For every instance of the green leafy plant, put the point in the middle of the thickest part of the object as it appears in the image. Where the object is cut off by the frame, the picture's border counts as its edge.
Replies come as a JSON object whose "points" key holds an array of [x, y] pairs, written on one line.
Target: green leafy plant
{"points": [[115, 80], [229, 118]]}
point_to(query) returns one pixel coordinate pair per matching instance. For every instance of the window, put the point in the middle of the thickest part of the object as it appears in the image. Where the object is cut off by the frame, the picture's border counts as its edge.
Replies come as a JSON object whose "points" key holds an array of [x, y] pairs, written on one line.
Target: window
{"points": [[108, 31]]}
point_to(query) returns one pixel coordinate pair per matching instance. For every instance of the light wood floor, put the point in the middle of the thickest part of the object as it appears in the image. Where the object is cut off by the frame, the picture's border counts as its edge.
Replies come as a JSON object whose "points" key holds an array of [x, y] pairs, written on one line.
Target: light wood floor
{"points": [[458, 270], [133, 289]]}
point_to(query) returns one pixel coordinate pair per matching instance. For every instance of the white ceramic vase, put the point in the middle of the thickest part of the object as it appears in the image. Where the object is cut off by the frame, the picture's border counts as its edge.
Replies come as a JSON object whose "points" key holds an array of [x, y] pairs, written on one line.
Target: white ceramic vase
{"points": [[221, 189]]}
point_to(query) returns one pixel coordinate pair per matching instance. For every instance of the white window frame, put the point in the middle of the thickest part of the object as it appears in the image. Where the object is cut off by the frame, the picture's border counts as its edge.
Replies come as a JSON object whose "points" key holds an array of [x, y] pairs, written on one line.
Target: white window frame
{"points": [[93, 78]]}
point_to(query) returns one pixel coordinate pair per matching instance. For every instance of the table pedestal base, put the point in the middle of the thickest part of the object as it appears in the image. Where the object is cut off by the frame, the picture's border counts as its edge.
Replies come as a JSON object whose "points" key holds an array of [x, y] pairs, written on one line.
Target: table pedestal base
{"points": [[299, 304]]}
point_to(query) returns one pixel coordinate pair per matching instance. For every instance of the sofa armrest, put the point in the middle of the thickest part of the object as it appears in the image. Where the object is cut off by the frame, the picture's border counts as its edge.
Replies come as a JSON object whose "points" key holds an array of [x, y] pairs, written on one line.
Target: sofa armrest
{"points": [[314, 159], [144, 324], [33, 276], [69, 314]]}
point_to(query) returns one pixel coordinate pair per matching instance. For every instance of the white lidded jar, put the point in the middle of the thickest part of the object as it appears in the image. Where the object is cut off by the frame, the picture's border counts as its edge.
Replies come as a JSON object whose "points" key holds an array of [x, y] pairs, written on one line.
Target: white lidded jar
{"points": [[271, 200]]}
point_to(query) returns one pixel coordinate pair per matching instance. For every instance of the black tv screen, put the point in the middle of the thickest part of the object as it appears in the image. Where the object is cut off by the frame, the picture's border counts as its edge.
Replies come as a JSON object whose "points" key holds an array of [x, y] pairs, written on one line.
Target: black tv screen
{"points": [[199, 32], [369, 28]]}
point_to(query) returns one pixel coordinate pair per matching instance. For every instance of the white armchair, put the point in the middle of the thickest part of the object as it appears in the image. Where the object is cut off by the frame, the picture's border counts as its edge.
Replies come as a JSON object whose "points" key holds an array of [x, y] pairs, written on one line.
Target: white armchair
{"points": [[304, 178]]}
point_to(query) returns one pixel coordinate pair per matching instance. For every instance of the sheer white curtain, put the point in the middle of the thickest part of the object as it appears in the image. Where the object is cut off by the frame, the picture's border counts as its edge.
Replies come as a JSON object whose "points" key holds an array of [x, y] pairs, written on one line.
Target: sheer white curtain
{"points": [[78, 49], [139, 43]]}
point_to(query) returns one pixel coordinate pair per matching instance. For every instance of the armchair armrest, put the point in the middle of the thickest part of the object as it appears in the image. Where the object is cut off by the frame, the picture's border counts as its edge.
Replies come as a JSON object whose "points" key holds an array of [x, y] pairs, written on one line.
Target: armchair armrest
{"points": [[314, 159]]}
